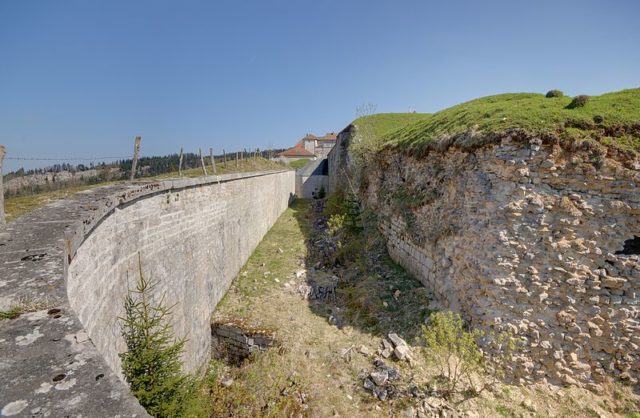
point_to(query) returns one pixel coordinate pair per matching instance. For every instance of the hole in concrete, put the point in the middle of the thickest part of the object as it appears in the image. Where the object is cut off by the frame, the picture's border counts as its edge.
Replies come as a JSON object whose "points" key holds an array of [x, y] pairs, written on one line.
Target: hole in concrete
{"points": [[33, 257], [631, 246], [100, 376], [59, 377], [57, 316], [53, 311], [234, 341]]}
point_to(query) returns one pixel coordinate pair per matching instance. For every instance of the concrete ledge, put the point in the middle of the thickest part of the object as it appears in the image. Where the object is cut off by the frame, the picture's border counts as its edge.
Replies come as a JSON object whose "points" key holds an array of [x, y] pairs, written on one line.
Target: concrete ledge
{"points": [[49, 363]]}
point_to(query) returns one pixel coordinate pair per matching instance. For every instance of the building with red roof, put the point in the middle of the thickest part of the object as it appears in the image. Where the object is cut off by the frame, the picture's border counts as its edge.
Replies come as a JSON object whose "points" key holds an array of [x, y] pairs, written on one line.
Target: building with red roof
{"points": [[310, 147]]}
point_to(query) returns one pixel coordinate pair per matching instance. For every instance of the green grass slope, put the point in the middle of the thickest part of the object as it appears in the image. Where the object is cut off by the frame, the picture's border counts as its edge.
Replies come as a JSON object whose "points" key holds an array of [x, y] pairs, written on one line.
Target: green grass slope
{"points": [[609, 118], [381, 124]]}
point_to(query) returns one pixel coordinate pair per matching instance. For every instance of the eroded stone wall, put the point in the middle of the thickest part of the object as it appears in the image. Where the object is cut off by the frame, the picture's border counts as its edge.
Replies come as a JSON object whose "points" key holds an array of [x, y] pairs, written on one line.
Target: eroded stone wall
{"points": [[192, 243], [528, 238]]}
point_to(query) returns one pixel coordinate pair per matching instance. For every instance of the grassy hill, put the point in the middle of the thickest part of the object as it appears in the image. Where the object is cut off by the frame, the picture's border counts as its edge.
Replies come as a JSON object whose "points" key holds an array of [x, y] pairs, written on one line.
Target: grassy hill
{"points": [[612, 118], [384, 123]]}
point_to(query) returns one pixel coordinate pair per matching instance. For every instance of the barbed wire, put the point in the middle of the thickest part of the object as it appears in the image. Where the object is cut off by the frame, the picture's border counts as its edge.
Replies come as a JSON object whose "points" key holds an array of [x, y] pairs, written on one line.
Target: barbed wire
{"points": [[68, 158]]}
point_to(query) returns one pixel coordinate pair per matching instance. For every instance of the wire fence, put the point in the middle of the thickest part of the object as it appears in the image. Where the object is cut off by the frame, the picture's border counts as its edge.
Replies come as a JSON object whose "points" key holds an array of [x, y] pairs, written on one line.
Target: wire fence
{"points": [[57, 173], [68, 158]]}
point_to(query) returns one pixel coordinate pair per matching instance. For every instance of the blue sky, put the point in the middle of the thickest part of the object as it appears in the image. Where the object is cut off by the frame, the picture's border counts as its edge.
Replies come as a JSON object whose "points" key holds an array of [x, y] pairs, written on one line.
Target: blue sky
{"points": [[82, 78]]}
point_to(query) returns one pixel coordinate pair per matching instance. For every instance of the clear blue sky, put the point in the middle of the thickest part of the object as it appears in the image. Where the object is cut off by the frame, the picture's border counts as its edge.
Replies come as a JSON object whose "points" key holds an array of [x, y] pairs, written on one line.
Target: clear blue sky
{"points": [[82, 78]]}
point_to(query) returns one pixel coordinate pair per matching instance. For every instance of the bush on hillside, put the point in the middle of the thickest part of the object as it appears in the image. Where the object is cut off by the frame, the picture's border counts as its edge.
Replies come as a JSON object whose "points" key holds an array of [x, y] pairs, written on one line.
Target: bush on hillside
{"points": [[598, 118], [554, 93], [461, 363], [578, 101]]}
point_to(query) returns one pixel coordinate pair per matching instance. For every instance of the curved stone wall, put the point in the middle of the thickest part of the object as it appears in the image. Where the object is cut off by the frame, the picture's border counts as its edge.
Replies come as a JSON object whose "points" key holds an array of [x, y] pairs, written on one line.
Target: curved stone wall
{"points": [[75, 259], [192, 242]]}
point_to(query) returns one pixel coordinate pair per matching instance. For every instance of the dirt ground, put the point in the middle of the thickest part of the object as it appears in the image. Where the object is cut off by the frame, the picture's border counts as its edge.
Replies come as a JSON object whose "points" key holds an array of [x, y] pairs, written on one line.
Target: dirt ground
{"points": [[330, 323]]}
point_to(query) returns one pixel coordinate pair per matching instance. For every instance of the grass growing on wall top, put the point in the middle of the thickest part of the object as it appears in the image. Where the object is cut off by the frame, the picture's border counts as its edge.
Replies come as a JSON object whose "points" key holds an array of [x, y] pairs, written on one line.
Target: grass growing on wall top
{"points": [[384, 123], [299, 163], [532, 112], [600, 118]]}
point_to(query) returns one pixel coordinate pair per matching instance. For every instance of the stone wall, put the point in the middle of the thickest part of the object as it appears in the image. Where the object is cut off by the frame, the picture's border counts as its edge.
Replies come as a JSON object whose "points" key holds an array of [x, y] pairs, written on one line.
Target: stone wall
{"points": [[73, 261], [192, 242], [338, 159], [235, 341], [308, 187], [311, 178], [528, 237]]}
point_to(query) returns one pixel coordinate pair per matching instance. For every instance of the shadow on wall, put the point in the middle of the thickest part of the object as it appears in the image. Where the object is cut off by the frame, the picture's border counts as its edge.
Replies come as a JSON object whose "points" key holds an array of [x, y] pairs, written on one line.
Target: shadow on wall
{"points": [[312, 178], [358, 285]]}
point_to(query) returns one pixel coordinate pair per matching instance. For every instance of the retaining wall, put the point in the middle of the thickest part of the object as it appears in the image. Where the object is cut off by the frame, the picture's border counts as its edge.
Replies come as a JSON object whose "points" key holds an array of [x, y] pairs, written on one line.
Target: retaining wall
{"points": [[77, 258], [521, 235]]}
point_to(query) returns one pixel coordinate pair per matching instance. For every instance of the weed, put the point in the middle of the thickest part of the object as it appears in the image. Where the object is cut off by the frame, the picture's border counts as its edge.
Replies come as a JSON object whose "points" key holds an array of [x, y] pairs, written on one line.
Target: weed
{"points": [[591, 413], [12, 313], [504, 411], [25, 305], [454, 351]]}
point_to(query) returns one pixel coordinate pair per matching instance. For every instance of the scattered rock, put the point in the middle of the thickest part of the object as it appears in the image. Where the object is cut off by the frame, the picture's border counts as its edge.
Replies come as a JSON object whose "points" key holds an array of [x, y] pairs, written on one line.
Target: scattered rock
{"points": [[381, 393], [378, 381], [226, 382], [364, 350], [396, 340], [410, 412], [380, 377], [386, 344], [368, 384], [527, 404]]}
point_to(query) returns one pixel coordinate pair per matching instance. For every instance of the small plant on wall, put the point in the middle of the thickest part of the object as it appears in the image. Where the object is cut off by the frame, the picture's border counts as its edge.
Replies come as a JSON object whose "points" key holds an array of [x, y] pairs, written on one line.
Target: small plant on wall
{"points": [[322, 193], [151, 365], [462, 365]]}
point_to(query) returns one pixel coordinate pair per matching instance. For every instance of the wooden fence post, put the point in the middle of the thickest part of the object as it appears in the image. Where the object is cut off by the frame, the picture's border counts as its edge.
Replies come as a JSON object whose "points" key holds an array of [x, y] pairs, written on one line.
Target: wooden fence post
{"points": [[237, 162], [136, 154], [224, 154], [204, 168], [213, 161], [2, 218], [180, 164]]}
